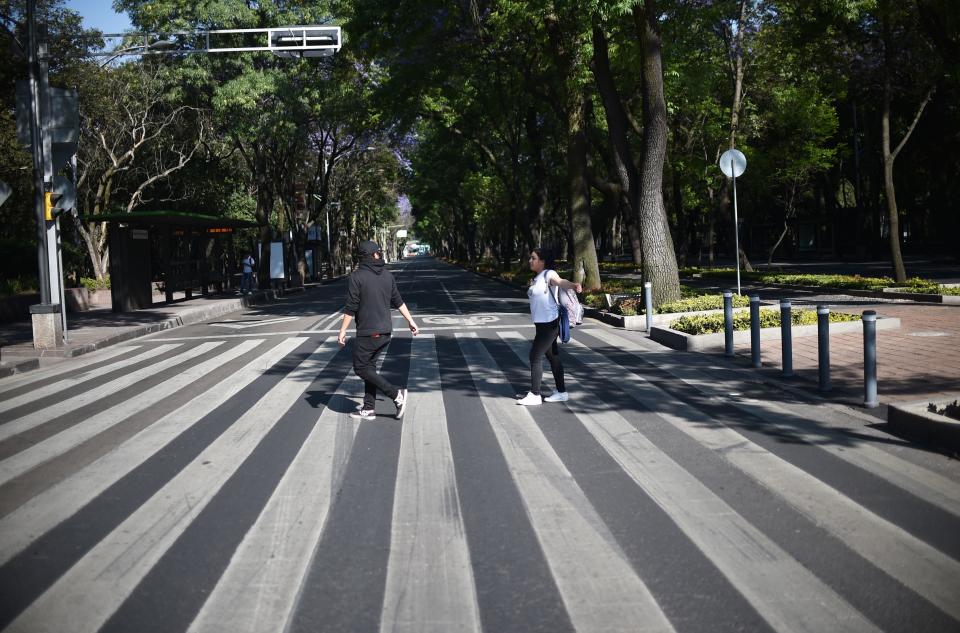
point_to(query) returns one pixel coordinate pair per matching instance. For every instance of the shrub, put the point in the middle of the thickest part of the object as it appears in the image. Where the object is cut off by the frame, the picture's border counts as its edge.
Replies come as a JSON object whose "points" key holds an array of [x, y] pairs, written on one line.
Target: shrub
{"points": [[17, 286], [712, 323], [952, 410], [95, 284]]}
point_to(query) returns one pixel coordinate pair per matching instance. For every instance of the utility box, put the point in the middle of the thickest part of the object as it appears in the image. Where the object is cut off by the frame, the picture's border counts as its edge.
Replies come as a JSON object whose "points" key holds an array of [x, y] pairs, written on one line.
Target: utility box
{"points": [[130, 268]]}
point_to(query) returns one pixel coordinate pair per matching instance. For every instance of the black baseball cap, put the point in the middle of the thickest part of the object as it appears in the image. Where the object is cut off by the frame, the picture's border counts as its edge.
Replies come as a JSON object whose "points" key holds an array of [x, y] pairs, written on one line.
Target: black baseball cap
{"points": [[369, 247]]}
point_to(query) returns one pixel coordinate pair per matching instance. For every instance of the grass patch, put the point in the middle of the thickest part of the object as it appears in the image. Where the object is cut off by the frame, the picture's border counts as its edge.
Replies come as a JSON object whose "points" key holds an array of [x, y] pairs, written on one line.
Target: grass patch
{"points": [[713, 323]]}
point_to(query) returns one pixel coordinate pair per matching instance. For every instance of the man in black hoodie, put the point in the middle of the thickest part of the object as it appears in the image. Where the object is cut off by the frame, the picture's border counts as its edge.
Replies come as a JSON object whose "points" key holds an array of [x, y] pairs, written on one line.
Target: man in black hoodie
{"points": [[371, 292]]}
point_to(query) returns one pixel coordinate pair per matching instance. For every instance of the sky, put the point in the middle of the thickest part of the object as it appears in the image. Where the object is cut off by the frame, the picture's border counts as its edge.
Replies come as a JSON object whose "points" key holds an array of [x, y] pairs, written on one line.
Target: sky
{"points": [[99, 14]]}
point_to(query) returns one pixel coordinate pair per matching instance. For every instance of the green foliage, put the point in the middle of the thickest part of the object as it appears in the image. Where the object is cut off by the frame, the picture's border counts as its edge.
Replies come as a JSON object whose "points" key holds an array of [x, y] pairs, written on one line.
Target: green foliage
{"points": [[951, 410], [713, 323], [95, 284]]}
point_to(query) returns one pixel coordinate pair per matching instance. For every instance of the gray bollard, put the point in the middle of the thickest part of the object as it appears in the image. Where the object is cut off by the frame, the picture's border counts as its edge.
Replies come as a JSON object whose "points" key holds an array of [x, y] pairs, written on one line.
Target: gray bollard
{"points": [[755, 331], [648, 303], [728, 323], [870, 359], [823, 345], [786, 338]]}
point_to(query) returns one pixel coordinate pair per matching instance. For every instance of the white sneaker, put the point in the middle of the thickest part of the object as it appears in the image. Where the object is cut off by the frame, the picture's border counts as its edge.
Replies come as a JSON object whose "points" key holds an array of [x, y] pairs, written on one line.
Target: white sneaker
{"points": [[364, 414], [530, 399], [401, 402], [557, 396]]}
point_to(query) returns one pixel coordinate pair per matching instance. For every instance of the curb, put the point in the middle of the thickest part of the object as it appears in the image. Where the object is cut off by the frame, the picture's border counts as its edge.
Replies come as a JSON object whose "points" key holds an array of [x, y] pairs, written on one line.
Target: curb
{"points": [[18, 367], [913, 420]]}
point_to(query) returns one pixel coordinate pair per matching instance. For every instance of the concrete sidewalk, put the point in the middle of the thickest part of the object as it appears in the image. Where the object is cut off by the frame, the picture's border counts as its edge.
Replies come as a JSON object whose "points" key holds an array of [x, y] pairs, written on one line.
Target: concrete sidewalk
{"points": [[99, 328]]}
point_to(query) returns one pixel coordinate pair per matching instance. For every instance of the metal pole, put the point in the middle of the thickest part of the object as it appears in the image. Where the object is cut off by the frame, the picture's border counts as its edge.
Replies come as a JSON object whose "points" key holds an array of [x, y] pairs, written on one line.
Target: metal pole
{"points": [[786, 338], [648, 303], [823, 346], [36, 139], [870, 359], [736, 227], [728, 323], [755, 331]]}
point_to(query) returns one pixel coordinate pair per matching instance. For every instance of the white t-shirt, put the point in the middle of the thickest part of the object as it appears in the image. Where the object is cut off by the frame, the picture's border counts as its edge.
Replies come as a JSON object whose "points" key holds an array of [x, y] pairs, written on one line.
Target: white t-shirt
{"points": [[543, 307]]}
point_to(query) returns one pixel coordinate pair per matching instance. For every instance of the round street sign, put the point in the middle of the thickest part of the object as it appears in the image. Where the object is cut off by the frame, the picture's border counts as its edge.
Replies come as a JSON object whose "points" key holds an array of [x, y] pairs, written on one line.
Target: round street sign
{"points": [[733, 163]]}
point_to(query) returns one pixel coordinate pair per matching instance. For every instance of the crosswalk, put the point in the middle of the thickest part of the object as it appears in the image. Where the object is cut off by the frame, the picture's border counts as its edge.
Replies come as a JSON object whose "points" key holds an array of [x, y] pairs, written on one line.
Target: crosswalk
{"points": [[221, 485]]}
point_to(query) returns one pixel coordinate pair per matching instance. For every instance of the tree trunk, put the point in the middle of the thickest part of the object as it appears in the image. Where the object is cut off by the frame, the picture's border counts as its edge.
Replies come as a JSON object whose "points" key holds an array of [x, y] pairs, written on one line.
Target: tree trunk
{"points": [[618, 127], [659, 259], [584, 249]]}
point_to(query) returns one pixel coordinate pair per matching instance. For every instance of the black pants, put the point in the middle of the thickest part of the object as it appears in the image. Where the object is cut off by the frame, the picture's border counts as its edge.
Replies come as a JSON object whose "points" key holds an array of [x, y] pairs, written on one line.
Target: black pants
{"points": [[545, 343], [366, 349]]}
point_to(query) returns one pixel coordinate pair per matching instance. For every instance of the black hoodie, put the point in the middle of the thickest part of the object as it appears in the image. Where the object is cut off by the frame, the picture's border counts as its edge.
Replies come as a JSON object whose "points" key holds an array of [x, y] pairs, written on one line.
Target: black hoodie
{"points": [[371, 292]]}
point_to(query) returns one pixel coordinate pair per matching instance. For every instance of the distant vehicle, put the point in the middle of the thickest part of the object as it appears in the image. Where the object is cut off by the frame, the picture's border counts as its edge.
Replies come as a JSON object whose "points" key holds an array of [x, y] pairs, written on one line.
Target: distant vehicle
{"points": [[411, 250]]}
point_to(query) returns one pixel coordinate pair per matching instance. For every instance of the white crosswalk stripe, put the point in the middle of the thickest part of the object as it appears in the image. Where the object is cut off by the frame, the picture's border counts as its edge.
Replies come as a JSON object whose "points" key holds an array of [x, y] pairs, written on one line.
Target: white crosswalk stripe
{"points": [[71, 367], [54, 505], [429, 583], [927, 485], [77, 377], [782, 591], [428, 577], [64, 407], [927, 571], [599, 588], [85, 597], [100, 422]]}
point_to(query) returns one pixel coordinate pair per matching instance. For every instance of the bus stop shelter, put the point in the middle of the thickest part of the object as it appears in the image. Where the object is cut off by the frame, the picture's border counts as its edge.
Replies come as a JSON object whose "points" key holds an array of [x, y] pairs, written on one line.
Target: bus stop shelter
{"points": [[178, 251]]}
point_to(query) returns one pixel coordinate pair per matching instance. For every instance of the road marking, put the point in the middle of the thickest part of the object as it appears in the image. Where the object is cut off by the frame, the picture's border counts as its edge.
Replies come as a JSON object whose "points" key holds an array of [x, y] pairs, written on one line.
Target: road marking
{"points": [[456, 308], [54, 505], [783, 592], [589, 567], [35, 419], [922, 568], [85, 597], [78, 377], [429, 586], [469, 321], [439, 328], [60, 443], [927, 485], [72, 366], [243, 325], [258, 591]]}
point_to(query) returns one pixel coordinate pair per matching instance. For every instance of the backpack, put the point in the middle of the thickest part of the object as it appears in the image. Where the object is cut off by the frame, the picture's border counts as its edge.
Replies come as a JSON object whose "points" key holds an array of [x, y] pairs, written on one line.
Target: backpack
{"points": [[570, 311]]}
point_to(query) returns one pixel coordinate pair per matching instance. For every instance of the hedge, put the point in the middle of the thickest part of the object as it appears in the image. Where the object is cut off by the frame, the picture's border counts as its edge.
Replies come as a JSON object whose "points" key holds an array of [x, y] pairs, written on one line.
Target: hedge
{"points": [[712, 323]]}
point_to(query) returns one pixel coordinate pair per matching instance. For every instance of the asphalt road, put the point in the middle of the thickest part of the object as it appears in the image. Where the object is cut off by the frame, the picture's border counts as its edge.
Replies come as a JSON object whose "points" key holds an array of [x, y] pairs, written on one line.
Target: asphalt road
{"points": [[209, 478]]}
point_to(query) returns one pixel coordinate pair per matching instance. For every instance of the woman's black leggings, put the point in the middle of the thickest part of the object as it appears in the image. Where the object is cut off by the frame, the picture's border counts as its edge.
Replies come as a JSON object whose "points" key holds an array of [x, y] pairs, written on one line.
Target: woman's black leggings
{"points": [[545, 343]]}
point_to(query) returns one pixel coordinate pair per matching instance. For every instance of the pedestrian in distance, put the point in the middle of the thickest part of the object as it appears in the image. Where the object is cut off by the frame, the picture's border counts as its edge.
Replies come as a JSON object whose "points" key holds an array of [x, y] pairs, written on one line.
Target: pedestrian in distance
{"points": [[247, 266], [371, 292], [544, 309]]}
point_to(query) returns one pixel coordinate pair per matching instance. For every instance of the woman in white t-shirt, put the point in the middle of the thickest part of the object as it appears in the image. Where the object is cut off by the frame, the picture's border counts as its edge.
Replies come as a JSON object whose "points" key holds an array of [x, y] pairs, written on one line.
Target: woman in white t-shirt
{"points": [[546, 318]]}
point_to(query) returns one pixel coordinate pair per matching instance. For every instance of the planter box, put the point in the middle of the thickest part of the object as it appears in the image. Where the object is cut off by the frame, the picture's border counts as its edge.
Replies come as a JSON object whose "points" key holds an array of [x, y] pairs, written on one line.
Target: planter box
{"points": [[715, 342], [82, 299], [912, 420], [900, 293], [639, 322]]}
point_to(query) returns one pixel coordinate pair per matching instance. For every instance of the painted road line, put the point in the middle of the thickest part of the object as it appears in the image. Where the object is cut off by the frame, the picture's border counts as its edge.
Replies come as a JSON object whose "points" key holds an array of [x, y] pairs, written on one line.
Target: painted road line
{"points": [[429, 587], [258, 591], [77, 377], [784, 592], [600, 589], [70, 367], [54, 505], [60, 443], [456, 308], [920, 482], [925, 570], [87, 595], [70, 405]]}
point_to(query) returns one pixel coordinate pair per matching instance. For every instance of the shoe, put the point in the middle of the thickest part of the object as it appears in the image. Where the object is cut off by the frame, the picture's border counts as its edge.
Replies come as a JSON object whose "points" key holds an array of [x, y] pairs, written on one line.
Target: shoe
{"points": [[530, 399], [401, 402], [556, 396], [364, 414]]}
